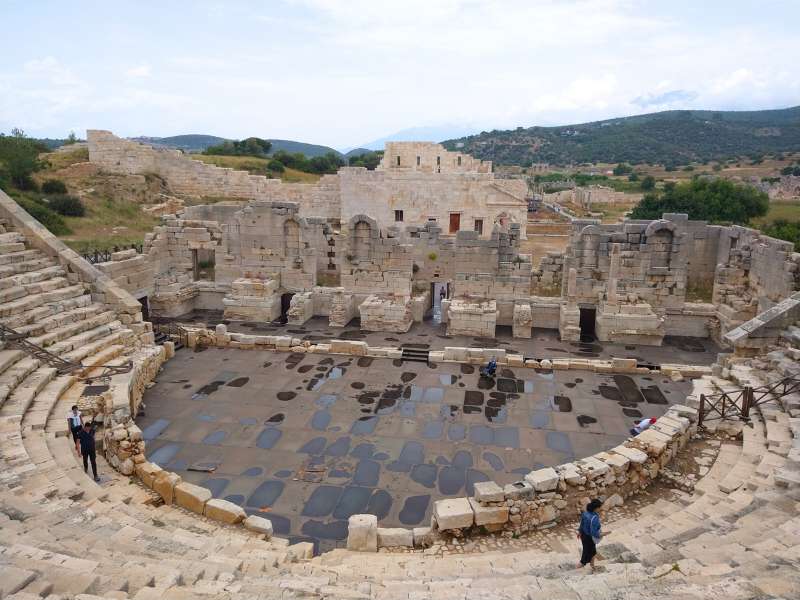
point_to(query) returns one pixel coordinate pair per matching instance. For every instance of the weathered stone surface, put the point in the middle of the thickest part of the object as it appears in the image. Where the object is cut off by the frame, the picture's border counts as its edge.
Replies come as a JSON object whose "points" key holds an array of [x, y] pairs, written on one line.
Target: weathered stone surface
{"points": [[488, 491], [225, 511], [543, 480], [391, 537], [454, 513], [259, 525], [191, 497], [164, 484], [362, 533], [489, 515]]}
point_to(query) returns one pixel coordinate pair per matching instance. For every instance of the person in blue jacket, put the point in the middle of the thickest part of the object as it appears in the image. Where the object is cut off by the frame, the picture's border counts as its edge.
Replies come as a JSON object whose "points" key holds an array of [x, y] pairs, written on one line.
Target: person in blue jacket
{"points": [[589, 532]]}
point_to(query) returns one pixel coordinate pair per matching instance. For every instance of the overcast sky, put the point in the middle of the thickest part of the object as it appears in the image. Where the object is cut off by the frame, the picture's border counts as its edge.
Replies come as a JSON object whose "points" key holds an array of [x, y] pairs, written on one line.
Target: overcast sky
{"points": [[343, 72]]}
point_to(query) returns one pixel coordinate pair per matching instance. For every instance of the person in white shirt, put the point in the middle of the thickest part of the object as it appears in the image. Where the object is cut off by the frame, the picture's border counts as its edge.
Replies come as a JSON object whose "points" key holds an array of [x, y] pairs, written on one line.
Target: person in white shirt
{"points": [[642, 425], [74, 423]]}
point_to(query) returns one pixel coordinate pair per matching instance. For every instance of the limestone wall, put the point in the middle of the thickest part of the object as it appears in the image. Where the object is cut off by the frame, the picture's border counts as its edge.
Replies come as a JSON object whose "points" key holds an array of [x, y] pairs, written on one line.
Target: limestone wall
{"points": [[133, 272]]}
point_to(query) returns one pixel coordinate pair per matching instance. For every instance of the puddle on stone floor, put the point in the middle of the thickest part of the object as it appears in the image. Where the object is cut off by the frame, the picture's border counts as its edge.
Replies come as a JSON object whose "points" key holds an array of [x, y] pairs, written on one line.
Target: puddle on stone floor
{"points": [[285, 396], [238, 382], [268, 437], [276, 418], [585, 420], [563, 403], [414, 509]]}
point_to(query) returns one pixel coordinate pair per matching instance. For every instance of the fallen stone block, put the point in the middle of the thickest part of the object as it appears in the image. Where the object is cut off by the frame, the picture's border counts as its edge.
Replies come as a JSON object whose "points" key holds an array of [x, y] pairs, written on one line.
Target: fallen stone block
{"points": [[258, 525], [543, 480], [225, 511], [488, 491], [455, 513]]}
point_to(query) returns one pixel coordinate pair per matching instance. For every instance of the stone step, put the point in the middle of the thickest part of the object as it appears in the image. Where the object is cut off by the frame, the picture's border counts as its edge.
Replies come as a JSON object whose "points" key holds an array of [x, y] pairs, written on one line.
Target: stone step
{"points": [[39, 313], [47, 324], [33, 276], [28, 265], [32, 301], [22, 256], [72, 328]]}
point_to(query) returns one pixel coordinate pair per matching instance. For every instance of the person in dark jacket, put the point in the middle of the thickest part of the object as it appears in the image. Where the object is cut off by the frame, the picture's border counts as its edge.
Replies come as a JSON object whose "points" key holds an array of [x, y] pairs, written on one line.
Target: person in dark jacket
{"points": [[86, 439], [589, 533]]}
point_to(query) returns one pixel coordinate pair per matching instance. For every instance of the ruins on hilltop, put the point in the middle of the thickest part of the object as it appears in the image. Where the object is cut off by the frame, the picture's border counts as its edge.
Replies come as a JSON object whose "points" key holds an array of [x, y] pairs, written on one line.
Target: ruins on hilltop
{"points": [[382, 245]]}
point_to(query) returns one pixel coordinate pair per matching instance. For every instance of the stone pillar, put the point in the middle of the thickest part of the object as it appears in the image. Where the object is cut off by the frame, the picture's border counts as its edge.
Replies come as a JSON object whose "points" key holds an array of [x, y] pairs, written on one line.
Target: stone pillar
{"points": [[362, 533], [572, 285], [613, 275]]}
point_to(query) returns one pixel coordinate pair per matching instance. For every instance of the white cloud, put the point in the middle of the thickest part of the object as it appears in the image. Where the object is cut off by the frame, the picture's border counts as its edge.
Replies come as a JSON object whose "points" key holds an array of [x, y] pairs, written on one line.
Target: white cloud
{"points": [[139, 72]]}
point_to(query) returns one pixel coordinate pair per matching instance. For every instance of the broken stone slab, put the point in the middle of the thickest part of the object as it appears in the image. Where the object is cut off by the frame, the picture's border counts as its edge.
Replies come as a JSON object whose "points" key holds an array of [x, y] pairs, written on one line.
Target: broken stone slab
{"points": [[395, 537], [518, 490], [488, 491], [192, 497], [488, 515], [164, 485], [543, 480], [147, 473], [258, 525], [362, 533], [225, 511], [454, 513]]}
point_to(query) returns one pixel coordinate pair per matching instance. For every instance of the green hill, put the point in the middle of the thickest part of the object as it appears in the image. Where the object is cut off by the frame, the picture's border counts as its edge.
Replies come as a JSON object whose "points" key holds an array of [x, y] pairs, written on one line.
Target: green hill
{"points": [[193, 142], [199, 142], [670, 137], [310, 150]]}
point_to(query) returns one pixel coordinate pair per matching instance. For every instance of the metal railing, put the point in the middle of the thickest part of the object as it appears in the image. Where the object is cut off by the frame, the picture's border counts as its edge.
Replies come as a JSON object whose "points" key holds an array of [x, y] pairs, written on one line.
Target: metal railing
{"points": [[15, 339], [738, 403], [98, 256], [172, 330]]}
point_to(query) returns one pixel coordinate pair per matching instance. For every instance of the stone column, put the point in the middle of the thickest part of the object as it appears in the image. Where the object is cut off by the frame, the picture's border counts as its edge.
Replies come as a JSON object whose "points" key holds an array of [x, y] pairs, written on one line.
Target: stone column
{"points": [[613, 275]]}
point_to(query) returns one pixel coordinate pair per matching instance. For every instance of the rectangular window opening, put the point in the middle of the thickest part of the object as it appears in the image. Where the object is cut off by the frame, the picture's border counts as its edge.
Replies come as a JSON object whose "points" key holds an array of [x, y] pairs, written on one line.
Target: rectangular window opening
{"points": [[479, 226], [418, 161], [398, 216], [459, 161], [398, 161]]}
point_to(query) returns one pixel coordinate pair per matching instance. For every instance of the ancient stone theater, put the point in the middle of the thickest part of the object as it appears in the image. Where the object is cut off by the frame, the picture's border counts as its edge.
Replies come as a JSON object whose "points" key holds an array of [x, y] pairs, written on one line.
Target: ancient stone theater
{"points": [[286, 384]]}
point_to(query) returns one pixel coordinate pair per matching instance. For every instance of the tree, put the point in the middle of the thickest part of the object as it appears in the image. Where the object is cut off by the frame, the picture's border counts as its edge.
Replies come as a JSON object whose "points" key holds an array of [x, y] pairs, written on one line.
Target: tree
{"points": [[784, 230], [71, 139], [251, 146], [19, 158], [370, 160], [622, 169], [717, 200], [648, 183]]}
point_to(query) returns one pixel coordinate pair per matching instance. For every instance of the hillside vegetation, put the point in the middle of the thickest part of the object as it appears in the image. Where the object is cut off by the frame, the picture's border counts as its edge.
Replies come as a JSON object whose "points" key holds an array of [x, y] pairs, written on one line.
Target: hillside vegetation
{"points": [[671, 137]]}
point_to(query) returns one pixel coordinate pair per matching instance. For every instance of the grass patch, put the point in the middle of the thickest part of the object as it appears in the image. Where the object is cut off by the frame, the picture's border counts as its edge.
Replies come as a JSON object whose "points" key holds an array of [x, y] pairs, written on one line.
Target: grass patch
{"points": [[108, 223], [59, 160], [256, 166], [787, 211]]}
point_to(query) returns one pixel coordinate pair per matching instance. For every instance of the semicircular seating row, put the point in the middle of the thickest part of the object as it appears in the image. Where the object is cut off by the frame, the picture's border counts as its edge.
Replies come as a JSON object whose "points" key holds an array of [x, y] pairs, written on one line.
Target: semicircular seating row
{"points": [[62, 535]]}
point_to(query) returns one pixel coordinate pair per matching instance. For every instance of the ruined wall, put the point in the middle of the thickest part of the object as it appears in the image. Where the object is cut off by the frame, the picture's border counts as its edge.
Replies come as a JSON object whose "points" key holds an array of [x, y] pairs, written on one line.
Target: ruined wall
{"points": [[429, 158], [754, 273], [133, 272], [469, 189]]}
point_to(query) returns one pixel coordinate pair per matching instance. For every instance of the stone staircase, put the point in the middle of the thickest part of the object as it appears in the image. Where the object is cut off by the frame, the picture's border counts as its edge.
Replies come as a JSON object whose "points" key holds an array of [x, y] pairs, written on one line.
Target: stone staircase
{"points": [[736, 535]]}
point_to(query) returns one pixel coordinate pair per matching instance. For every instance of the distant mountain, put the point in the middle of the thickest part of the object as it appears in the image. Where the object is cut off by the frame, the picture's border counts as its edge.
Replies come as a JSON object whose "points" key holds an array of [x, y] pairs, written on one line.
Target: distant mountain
{"points": [[356, 152], [309, 150], [670, 137], [192, 142], [421, 134], [199, 142]]}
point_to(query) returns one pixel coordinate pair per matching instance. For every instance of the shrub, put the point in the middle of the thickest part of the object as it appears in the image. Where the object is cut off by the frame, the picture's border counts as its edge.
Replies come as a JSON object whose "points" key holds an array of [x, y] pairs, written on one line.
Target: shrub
{"points": [[69, 206], [52, 221], [54, 186], [433, 256], [276, 166]]}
